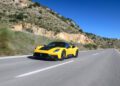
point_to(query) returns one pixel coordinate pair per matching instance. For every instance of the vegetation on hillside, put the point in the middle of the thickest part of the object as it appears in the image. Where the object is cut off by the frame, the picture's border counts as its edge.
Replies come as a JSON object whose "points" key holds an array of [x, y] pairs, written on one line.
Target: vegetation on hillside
{"points": [[103, 42], [39, 15], [12, 43]]}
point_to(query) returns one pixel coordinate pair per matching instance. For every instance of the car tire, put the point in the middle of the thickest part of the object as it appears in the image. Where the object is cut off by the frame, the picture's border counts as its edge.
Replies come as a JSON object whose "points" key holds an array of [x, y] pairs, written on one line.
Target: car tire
{"points": [[63, 55], [76, 54], [34, 54]]}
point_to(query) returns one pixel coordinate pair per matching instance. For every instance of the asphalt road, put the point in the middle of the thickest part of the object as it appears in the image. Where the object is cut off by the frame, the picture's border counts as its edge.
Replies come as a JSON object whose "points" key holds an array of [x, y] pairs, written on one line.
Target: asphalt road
{"points": [[91, 68]]}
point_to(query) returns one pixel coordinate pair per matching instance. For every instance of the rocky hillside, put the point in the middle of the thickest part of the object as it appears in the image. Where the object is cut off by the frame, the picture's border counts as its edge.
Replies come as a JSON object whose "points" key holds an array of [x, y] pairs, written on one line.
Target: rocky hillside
{"points": [[70, 37], [103, 42], [24, 15]]}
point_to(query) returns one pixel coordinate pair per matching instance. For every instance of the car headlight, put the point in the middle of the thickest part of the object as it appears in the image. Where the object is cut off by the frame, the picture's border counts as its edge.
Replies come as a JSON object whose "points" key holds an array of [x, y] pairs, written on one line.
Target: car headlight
{"points": [[57, 50]]}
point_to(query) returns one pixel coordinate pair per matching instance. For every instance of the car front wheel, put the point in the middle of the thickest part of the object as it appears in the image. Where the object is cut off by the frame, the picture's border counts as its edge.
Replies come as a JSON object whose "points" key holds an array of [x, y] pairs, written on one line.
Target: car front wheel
{"points": [[63, 55], [76, 55]]}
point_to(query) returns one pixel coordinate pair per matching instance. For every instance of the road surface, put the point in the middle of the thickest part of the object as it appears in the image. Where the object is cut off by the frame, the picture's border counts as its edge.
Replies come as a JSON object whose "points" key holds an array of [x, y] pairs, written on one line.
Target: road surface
{"points": [[91, 68]]}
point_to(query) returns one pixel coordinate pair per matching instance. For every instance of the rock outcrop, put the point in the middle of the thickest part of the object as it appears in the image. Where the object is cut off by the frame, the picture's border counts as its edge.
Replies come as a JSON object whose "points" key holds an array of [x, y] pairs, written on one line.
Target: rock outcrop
{"points": [[22, 3], [78, 38]]}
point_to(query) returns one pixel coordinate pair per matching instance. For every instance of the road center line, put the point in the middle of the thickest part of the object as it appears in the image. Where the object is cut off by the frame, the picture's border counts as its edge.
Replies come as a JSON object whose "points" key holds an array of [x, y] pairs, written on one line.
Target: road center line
{"points": [[43, 69]]}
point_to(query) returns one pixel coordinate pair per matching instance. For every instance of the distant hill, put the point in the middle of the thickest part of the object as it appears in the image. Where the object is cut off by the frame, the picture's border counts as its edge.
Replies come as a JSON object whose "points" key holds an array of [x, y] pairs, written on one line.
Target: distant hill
{"points": [[23, 22]]}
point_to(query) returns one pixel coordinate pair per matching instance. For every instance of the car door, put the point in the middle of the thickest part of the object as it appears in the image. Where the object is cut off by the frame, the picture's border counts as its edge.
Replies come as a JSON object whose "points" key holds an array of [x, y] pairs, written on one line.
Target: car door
{"points": [[69, 49]]}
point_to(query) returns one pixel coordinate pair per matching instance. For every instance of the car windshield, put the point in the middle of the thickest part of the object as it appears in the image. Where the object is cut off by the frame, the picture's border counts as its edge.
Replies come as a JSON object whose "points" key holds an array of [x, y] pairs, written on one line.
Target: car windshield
{"points": [[57, 44]]}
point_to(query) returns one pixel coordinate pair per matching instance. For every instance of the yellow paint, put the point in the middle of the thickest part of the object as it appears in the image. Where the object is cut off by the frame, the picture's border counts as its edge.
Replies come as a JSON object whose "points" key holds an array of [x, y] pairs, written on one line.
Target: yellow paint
{"points": [[69, 51]]}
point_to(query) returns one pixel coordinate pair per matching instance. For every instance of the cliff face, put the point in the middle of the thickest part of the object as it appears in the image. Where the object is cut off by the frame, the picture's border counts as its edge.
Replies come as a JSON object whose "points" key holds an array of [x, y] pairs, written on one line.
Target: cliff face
{"points": [[78, 38]]}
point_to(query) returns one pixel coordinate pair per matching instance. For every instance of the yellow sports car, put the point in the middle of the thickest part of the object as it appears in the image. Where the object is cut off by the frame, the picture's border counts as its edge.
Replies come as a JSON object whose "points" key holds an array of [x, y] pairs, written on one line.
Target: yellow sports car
{"points": [[56, 50]]}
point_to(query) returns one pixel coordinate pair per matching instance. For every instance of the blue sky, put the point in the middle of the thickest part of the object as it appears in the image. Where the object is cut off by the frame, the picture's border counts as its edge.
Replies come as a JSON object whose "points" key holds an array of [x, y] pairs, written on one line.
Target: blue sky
{"points": [[101, 17]]}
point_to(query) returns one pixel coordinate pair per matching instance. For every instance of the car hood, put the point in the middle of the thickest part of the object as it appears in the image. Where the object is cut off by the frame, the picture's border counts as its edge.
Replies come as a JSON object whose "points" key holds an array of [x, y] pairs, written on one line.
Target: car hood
{"points": [[49, 48], [46, 48]]}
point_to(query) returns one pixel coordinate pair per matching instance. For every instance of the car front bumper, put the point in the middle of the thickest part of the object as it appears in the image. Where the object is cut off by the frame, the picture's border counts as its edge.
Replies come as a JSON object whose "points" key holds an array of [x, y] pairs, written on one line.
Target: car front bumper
{"points": [[45, 56]]}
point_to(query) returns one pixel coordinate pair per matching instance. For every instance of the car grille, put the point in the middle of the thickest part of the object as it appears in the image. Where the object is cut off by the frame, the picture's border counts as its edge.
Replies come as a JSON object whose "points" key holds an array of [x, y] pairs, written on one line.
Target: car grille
{"points": [[41, 54]]}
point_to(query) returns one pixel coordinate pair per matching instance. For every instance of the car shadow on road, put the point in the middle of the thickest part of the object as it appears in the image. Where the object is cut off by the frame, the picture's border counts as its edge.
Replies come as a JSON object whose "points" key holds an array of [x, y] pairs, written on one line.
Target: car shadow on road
{"points": [[39, 58]]}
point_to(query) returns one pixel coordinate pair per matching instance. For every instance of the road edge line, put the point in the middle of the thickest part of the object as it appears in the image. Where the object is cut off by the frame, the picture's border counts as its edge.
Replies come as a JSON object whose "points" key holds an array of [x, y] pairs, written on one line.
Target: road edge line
{"points": [[12, 57]]}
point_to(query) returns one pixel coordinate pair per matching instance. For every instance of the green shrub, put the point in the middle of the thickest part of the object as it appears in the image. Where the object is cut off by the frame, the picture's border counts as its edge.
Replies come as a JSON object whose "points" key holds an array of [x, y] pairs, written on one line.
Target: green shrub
{"points": [[36, 4], [6, 35], [17, 16], [90, 46], [29, 30]]}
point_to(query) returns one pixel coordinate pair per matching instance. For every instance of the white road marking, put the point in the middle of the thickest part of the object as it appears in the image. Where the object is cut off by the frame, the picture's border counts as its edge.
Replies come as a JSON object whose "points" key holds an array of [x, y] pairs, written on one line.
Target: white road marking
{"points": [[96, 54], [43, 69], [12, 57]]}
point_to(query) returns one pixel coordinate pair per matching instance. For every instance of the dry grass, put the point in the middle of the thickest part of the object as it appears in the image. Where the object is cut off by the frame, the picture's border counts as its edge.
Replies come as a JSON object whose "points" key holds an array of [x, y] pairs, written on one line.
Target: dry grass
{"points": [[13, 43]]}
